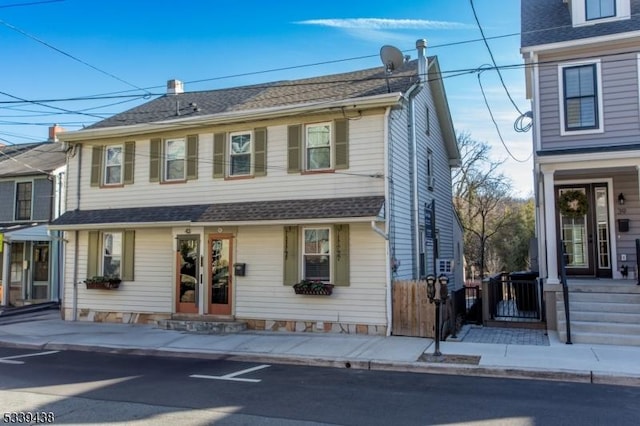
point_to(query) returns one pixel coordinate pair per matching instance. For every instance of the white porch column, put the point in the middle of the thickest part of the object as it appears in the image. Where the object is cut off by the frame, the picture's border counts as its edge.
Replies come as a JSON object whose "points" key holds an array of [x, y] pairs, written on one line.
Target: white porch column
{"points": [[6, 272], [638, 170], [551, 254]]}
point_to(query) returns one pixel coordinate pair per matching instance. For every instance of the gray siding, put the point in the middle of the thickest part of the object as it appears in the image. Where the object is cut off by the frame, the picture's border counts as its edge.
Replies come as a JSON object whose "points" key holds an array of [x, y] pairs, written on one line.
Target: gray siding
{"points": [[42, 198], [627, 183], [7, 200], [620, 104]]}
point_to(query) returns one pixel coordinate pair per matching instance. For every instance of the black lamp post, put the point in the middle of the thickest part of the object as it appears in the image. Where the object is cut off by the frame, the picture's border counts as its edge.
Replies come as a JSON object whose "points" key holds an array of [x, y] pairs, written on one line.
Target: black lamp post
{"points": [[437, 294]]}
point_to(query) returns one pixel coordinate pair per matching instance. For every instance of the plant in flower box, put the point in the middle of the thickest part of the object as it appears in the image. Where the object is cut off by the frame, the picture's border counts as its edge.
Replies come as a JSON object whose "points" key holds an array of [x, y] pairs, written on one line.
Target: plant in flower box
{"points": [[313, 287], [100, 282]]}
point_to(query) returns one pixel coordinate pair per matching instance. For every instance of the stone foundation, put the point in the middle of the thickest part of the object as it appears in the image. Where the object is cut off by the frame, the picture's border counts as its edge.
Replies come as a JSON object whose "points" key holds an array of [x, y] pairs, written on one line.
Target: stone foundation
{"points": [[315, 327], [115, 317]]}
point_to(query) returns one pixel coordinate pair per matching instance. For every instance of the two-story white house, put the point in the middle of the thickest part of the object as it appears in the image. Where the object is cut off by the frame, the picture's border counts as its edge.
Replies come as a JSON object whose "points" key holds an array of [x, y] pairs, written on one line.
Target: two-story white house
{"points": [[583, 70], [214, 203], [31, 195]]}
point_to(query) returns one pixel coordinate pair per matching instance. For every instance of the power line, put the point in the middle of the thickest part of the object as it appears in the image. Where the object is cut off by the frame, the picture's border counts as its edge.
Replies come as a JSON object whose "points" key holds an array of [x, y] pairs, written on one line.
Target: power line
{"points": [[486, 43], [32, 37], [33, 3]]}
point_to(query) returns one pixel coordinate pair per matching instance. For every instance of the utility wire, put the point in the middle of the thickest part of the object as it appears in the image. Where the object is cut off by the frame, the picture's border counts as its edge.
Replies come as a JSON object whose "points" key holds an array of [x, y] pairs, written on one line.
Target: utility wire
{"points": [[486, 43], [33, 3], [32, 37], [486, 102]]}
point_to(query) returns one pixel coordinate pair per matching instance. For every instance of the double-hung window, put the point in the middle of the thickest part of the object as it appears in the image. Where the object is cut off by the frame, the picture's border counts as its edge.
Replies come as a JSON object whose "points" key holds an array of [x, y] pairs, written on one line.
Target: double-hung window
{"points": [[111, 254], [317, 254], [175, 159], [580, 97], [23, 200], [318, 146], [599, 9], [240, 154], [113, 165]]}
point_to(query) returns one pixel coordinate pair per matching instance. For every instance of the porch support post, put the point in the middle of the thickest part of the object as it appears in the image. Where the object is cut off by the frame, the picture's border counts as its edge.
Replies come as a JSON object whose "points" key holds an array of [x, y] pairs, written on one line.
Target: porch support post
{"points": [[6, 272], [550, 228], [638, 170]]}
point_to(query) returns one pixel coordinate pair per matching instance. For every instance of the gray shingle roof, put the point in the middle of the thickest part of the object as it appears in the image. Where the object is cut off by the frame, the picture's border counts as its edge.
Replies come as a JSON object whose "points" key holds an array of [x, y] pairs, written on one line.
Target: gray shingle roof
{"points": [[32, 160], [549, 21], [368, 82], [333, 208]]}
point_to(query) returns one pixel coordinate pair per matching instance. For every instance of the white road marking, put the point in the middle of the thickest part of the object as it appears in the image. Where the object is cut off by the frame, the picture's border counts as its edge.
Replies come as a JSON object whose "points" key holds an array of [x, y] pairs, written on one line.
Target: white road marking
{"points": [[232, 376], [9, 359]]}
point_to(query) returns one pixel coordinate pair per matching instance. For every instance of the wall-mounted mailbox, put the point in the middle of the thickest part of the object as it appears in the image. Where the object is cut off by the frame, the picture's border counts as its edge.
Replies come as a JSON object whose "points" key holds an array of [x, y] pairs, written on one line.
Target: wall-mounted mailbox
{"points": [[623, 225], [239, 269]]}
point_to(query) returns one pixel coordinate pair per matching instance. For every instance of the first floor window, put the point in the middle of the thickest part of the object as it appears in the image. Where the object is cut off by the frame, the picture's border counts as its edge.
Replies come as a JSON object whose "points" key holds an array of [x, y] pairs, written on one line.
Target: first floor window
{"points": [[580, 97], [598, 9], [113, 165], [240, 154], [318, 146], [175, 150], [23, 200], [111, 254], [317, 254]]}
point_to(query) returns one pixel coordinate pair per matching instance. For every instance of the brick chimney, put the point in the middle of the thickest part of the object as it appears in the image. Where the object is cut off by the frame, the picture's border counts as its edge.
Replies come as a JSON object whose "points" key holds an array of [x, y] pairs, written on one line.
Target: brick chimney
{"points": [[175, 87], [53, 133]]}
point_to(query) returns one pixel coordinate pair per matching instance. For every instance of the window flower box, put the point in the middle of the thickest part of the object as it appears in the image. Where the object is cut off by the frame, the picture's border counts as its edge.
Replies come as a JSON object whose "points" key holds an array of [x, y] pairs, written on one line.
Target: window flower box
{"points": [[102, 283], [317, 288]]}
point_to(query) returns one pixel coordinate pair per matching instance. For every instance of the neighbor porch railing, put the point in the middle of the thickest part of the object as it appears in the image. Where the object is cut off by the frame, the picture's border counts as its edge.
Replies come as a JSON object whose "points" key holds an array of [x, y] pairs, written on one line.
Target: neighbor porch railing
{"points": [[565, 290], [514, 297]]}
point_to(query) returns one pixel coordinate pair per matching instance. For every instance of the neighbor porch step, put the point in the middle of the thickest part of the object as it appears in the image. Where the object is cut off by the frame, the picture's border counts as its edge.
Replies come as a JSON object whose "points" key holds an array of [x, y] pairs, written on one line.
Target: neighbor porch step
{"points": [[203, 324]]}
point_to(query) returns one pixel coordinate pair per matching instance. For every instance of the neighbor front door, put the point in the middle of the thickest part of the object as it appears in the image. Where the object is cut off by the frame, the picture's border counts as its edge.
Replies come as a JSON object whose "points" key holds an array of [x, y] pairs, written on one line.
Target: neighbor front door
{"points": [[187, 274], [221, 274]]}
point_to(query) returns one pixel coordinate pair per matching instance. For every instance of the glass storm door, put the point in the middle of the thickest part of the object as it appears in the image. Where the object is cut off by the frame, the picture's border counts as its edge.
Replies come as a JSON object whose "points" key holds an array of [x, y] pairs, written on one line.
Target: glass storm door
{"points": [[188, 274], [40, 282], [221, 274], [586, 240]]}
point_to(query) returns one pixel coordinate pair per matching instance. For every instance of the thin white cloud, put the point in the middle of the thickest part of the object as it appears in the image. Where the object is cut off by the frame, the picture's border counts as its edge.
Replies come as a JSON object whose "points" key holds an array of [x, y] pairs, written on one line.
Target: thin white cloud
{"points": [[385, 24]]}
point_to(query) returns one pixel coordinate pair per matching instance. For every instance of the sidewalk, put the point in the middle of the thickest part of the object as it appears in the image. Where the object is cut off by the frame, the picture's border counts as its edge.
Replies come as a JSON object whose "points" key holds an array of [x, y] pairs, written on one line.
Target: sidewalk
{"points": [[557, 361]]}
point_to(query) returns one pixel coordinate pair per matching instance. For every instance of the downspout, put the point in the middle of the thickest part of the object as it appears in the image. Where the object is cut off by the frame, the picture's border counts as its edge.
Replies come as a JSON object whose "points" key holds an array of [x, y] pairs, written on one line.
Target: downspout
{"points": [[416, 203], [76, 243], [387, 220]]}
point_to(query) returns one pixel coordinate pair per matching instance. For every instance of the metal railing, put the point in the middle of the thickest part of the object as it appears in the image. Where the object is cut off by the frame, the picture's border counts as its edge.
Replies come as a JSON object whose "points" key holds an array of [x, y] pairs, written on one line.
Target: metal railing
{"points": [[565, 290], [513, 298], [467, 302]]}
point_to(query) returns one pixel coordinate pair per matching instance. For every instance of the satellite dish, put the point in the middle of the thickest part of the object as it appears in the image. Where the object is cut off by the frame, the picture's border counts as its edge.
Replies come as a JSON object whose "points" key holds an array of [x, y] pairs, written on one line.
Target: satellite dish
{"points": [[392, 58]]}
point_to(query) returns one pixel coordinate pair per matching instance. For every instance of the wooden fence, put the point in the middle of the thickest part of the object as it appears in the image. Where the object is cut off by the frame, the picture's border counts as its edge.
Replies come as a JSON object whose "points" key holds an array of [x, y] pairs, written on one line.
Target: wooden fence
{"points": [[413, 315]]}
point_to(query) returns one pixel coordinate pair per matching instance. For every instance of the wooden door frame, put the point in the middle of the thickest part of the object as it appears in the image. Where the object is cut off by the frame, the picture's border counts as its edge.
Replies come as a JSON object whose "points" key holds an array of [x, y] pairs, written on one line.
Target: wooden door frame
{"points": [[184, 308], [214, 309]]}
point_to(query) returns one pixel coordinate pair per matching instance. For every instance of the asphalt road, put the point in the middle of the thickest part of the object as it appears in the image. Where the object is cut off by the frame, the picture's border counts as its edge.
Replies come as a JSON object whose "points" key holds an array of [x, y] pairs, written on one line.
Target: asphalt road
{"points": [[98, 388]]}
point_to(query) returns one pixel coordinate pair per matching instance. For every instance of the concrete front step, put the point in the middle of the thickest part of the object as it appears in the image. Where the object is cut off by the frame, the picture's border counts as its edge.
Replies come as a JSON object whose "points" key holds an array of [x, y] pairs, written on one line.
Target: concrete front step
{"points": [[605, 317], [633, 298], [600, 327], [600, 338], [204, 325], [622, 308]]}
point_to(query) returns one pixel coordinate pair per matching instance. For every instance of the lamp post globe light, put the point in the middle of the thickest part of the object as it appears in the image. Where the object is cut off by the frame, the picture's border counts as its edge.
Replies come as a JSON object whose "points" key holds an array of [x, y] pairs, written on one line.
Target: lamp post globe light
{"points": [[438, 294]]}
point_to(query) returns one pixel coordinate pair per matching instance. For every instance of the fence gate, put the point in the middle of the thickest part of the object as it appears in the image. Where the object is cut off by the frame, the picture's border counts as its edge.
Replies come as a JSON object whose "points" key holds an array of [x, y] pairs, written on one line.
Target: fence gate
{"points": [[413, 315]]}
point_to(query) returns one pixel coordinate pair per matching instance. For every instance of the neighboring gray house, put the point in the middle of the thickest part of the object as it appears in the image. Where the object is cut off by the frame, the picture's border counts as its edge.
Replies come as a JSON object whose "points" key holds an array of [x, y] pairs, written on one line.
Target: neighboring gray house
{"points": [[215, 203], [583, 68], [31, 192]]}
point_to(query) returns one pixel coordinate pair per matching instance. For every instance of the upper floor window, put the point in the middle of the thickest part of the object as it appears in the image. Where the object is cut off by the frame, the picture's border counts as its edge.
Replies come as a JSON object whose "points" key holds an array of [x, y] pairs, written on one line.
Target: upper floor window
{"points": [[318, 146], [113, 165], [240, 154], [175, 158], [599, 9], [23, 200], [580, 97], [594, 12]]}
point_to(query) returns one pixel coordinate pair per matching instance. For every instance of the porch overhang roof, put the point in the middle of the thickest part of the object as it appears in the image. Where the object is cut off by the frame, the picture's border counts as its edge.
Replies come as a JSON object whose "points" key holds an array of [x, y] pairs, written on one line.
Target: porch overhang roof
{"points": [[351, 209], [33, 232]]}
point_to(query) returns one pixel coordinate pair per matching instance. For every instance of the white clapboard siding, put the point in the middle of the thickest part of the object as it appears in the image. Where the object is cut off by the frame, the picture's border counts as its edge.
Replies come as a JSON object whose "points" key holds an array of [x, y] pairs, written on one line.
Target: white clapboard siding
{"points": [[152, 289], [366, 158], [261, 295]]}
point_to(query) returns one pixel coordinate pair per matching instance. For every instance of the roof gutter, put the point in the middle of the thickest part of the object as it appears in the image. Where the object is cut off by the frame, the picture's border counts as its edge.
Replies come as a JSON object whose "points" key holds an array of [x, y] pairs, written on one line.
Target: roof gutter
{"points": [[384, 100]]}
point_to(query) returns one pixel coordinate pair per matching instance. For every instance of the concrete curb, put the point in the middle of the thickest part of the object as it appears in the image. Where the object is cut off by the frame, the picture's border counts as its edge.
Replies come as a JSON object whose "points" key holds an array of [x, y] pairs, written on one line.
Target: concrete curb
{"points": [[577, 376]]}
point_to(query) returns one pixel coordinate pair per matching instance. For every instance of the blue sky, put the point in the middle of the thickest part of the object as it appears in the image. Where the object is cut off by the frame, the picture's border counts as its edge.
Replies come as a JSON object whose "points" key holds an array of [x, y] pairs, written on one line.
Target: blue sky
{"points": [[100, 47]]}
